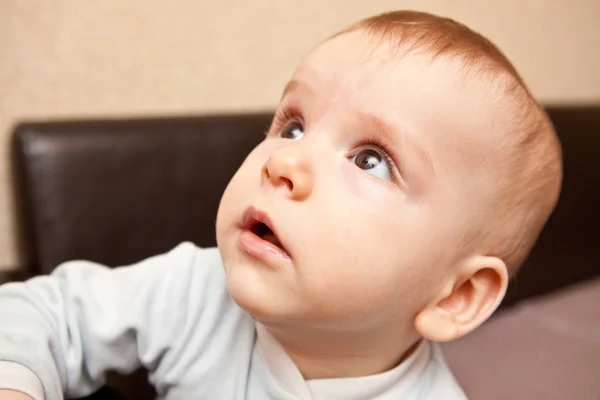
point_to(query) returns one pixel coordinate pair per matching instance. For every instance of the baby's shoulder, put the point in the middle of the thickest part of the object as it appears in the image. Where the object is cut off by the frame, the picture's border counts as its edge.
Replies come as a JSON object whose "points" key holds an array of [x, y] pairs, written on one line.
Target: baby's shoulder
{"points": [[205, 280], [204, 261], [211, 319], [198, 266]]}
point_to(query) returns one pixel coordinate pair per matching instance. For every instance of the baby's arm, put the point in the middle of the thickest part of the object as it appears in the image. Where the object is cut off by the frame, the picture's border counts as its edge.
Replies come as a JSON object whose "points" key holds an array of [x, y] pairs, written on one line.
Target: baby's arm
{"points": [[13, 395], [66, 330]]}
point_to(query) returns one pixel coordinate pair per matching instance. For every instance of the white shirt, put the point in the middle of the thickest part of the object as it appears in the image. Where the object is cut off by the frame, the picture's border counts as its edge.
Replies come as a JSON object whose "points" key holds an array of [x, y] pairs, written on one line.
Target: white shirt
{"points": [[173, 315]]}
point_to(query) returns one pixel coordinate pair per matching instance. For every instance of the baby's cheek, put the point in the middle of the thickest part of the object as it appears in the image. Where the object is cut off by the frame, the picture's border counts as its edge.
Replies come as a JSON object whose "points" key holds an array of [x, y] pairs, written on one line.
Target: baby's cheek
{"points": [[365, 292], [249, 173], [365, 192]]}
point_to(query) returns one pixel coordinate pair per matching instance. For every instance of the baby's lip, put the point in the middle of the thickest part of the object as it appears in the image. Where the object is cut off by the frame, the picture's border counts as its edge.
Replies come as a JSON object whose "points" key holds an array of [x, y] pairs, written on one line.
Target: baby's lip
{"points": [[253, 216]]}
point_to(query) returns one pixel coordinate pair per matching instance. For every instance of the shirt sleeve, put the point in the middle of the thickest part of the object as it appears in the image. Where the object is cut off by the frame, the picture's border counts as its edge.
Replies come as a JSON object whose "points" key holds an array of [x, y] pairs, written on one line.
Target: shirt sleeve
{"points": [[67, 329], [16, 377]]}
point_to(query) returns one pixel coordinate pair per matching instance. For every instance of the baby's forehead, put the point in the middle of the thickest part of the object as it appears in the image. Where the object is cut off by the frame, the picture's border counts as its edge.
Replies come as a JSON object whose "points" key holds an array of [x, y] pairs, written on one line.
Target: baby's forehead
{"points": [[358, 55], [428, 99], [357, 67]]}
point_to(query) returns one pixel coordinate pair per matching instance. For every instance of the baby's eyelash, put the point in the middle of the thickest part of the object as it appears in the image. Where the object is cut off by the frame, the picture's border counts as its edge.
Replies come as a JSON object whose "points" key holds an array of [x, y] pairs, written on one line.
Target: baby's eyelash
{"points": [[282, 117]]}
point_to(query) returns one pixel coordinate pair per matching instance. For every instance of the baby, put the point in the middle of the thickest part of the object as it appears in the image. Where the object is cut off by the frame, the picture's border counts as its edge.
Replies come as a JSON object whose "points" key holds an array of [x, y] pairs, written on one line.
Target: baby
{"points": [[406, 175]]}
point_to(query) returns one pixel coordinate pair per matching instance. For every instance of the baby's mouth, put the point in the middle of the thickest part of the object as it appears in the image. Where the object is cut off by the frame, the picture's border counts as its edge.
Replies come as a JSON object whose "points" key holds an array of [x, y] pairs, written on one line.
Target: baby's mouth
{"points": [[265, 233], [259, 224]]}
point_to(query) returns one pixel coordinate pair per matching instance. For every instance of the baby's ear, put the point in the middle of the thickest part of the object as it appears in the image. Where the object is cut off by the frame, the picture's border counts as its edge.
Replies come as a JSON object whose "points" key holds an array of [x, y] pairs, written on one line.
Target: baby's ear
{"points": [[470, 298]]}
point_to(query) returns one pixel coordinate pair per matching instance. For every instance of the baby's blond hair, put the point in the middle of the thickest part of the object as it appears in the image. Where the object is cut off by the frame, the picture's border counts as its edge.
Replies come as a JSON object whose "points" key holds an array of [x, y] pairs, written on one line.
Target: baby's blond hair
{"points": [[530, 178]]}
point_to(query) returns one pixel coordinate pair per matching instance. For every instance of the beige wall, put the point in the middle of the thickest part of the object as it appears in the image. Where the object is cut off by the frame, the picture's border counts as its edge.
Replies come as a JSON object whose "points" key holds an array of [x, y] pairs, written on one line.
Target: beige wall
{"points": [[113, 57]]}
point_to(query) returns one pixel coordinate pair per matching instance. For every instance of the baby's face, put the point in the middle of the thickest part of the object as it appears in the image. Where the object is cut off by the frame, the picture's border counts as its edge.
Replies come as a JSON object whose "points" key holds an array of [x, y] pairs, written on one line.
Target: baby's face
{"points": [[368, 177]]}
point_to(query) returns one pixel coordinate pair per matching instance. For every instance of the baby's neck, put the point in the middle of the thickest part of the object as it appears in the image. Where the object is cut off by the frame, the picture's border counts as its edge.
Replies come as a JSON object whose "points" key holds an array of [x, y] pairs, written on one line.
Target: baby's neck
{"points": [[337, 354]]}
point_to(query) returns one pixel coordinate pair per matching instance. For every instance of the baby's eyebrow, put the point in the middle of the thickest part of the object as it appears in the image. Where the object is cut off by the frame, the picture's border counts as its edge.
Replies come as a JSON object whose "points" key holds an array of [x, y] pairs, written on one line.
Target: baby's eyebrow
{"points": [[294, 85]]}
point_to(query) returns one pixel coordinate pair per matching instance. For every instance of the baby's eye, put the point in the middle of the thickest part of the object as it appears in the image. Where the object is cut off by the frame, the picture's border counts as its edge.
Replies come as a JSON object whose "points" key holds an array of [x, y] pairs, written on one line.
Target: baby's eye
{"points": [[373, 162], [293, 130]]}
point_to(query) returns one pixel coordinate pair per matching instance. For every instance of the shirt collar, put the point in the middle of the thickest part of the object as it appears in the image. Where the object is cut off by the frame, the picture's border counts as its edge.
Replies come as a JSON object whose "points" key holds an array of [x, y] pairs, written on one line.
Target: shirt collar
{"points": [[394, 382]]}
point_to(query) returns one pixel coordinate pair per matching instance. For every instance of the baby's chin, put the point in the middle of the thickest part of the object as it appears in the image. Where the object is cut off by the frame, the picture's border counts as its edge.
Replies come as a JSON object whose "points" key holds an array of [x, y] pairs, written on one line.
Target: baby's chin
{"points": [[268, 301], [248, 289], [275, 305]]}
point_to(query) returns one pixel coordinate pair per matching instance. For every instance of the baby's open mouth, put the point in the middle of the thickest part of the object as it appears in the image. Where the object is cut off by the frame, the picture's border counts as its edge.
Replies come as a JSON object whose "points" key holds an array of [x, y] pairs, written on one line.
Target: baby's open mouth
{"points": [[265, 233], [260, 225]]}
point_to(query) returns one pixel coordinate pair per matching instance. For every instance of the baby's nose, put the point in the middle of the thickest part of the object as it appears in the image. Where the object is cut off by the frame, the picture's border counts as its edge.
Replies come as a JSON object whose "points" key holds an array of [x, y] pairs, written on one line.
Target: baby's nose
{"points": [[290, 167]]}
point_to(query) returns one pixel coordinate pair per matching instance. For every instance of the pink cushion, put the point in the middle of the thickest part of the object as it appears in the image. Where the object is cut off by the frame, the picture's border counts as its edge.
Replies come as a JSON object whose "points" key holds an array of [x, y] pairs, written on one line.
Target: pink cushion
{"points": [[546, 348]]}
